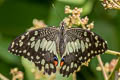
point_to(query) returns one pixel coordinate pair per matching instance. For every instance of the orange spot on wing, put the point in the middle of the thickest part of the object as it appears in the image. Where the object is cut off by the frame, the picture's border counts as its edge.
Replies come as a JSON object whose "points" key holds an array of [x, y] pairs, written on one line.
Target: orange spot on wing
{"points": [[55, 63], [61, 64]]}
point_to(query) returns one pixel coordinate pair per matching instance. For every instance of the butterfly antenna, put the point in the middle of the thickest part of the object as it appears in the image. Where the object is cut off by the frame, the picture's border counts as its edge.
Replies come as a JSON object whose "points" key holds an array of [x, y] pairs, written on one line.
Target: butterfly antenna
{"points": [[52, 3]]}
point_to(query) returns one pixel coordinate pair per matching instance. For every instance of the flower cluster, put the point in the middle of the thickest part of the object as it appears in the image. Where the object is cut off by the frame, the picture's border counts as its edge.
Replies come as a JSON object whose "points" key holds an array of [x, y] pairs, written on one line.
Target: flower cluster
{"points": [[37, 74], [17, 75], [111, 4], [75, 18], [109, 67], [37, 24]]}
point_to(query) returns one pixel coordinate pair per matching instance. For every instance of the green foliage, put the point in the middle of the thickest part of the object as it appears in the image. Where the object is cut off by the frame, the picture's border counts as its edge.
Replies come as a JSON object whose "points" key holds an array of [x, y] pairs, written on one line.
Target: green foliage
{"points": [[16, 17]]}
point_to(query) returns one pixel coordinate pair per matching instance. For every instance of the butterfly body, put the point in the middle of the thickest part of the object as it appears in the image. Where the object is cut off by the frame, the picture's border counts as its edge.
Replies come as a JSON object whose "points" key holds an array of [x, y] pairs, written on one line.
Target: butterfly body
{"points": [[61, 40], [43, 46]]}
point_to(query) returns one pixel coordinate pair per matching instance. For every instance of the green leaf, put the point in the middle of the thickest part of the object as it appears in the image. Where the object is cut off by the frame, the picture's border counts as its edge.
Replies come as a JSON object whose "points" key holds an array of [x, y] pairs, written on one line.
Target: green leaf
{"points": [[28, 68], [87, 8], [1, 2]]}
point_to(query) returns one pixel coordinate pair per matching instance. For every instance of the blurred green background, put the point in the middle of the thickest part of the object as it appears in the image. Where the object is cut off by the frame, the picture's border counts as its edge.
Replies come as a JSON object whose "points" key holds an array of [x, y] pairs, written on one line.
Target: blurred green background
{"points": [[16, 17]]}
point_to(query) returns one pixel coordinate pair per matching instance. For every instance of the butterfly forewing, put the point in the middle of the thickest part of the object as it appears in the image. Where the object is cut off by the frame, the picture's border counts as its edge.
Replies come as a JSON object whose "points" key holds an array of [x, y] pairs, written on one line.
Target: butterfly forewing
{"points": [[81, 45], [74, 45], [38, 46]]}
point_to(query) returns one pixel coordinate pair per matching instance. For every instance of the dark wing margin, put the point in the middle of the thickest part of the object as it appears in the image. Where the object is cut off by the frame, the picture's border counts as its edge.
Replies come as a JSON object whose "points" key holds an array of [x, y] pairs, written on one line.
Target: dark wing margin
{"points": [[81, 45], [38, 46]]}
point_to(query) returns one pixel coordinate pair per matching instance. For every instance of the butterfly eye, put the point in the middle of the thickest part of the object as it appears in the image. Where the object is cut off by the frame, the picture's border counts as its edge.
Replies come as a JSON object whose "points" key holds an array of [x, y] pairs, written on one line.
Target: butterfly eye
{"points": [[62, 62], [55, 61]]}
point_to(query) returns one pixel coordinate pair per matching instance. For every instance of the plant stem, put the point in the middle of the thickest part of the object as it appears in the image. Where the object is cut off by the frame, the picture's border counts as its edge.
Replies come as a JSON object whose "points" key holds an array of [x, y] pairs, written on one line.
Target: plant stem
{"points": [[102, 67], [112, 52], [3, 77], [74, 76]]}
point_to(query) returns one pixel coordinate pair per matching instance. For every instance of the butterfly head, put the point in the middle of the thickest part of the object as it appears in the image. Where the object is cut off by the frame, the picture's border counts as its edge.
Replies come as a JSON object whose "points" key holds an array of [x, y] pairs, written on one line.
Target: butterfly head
{"points": [[62, 25]]}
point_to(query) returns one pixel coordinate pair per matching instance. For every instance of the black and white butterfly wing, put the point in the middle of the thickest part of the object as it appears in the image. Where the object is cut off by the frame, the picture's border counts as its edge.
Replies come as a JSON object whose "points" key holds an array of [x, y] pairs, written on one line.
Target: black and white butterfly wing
{"points": [[81, 45], [38, 46]]}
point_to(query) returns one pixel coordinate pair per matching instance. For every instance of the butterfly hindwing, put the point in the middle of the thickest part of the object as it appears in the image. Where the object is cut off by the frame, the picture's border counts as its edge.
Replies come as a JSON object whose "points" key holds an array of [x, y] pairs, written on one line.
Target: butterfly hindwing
{"points": [[38, 46], [75, 46], [81, 45]]}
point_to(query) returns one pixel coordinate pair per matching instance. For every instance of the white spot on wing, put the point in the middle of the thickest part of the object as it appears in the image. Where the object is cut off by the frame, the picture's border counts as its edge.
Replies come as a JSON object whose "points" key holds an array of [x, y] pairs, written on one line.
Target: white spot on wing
{"points": [[90, 44], [66, 51], [99, 51], [92, 52], [64, 67], [16, 51], [85, 33], [78, 44], [44, 45], [67, 68], [86, 45], [102, 50], [37, 57], [96, 44], [27, 33], [73, 46], [22, 37], [42, 42], [88, 54], [48, 45], [96, 52], [20, 51], [32, 39], [51, 66], [36, 32], [21, 43], [54, 49], [37, 62], [70, 47], [47, 66], [12, 49], [87, 39], [32, 44], [24, 51], [96, 37], [92, 33], [43, 62], [28, 54], [51, 46], [103, 45], [12, 44], [37, 45], [28, 43], [85, 58], [71, 65], [75, 65], [31, 57], [82, 46], [80, 58]]}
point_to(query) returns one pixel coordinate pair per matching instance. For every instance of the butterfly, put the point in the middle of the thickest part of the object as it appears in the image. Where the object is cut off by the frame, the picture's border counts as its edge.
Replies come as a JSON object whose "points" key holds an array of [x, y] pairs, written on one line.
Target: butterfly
{"points": [[44, 46]]}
